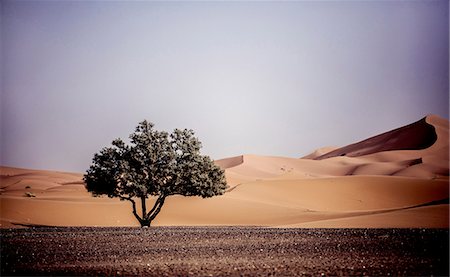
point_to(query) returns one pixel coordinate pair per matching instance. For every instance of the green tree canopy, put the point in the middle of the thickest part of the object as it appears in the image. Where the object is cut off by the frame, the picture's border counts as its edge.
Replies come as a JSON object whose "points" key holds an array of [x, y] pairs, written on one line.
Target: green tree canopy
{"points": [[155, 163]]}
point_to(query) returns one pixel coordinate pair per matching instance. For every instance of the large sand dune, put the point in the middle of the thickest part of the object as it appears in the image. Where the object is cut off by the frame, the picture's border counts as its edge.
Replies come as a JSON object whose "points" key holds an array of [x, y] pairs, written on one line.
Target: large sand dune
{"points": [[396, 179]]}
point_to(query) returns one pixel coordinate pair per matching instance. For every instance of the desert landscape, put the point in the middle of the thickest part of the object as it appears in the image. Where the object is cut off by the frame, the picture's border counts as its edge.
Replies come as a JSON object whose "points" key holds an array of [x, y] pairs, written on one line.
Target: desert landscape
{"points": [[378, 207], [398, 179], [224, 138]]}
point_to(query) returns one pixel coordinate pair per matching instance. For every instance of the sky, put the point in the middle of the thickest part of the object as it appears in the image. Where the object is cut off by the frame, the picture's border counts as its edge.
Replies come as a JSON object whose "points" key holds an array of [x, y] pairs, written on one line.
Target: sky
{"points": [[266, 78]]}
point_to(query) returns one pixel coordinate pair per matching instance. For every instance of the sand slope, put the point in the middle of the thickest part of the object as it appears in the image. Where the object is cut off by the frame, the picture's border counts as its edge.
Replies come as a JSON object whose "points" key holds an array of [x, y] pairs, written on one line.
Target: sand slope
{"points": [[397, 179]]}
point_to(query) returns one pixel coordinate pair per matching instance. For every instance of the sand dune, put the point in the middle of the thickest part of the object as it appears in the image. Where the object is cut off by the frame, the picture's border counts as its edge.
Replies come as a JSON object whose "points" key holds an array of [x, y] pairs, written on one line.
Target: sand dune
{"points": [[416, 136], [320, 152], [397, 179], [435, 216]]}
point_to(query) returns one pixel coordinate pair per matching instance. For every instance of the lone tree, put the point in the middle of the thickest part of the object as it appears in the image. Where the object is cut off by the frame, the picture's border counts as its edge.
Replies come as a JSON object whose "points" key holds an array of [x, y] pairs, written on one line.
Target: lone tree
{"points": [[154, 164]]}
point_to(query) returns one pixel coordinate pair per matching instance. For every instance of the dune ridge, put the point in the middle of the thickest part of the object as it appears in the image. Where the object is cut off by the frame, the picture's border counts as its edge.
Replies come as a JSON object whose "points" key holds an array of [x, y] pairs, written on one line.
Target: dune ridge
{"points": [[397, 179], [416, 136]]}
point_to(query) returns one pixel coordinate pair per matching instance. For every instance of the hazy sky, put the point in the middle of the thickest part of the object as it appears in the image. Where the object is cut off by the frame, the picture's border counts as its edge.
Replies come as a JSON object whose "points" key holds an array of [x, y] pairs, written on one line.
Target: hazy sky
{"points": [[269, 78]]}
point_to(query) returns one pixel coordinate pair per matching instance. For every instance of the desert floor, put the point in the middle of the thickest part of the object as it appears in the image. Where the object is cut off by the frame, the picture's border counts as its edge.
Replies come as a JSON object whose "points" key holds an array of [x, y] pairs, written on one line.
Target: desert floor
{"points": [[392, 188], [212, 251]]}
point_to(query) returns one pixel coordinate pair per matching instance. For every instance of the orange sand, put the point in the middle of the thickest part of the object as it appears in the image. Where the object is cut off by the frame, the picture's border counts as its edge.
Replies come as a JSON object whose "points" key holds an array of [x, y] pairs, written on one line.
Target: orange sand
{"points": [[397, 179]]}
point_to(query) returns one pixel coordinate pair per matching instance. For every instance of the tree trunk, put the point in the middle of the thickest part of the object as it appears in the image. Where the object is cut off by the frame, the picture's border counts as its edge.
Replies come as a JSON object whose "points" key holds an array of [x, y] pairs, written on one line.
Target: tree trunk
{"points": [[144, 207], [147, 218], [145, 223]]}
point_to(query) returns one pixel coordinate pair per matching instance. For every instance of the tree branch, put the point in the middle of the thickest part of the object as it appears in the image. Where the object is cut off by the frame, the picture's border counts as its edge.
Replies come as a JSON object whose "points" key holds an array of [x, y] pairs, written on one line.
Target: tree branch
{"points": [[144, 207], [134, 208], [155, 206], [156, 212]]}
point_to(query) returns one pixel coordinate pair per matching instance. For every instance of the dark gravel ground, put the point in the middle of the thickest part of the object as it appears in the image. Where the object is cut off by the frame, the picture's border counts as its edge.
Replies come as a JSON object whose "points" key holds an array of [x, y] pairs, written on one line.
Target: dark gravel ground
{"points": [[212, 251]]}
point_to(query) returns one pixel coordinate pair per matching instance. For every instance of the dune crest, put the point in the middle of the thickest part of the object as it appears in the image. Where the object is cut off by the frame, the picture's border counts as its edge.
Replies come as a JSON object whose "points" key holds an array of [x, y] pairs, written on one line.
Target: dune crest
{"points": [[320, 152], [416, 136], [397, 179], [230, 162]]}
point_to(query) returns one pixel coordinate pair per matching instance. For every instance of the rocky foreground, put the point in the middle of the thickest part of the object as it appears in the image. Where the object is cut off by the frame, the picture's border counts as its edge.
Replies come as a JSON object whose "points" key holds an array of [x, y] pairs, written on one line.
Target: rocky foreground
{"points": [[211, 251]]}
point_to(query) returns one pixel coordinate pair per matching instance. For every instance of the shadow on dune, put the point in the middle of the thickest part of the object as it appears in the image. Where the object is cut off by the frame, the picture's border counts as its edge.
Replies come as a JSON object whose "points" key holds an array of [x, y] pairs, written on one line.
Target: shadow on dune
{"points": [[416, 136]]}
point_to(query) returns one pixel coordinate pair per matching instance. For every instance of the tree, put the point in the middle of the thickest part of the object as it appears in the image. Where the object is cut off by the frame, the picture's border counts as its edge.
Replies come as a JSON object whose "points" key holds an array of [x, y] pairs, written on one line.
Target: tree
{"points": [[154, 164]]}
